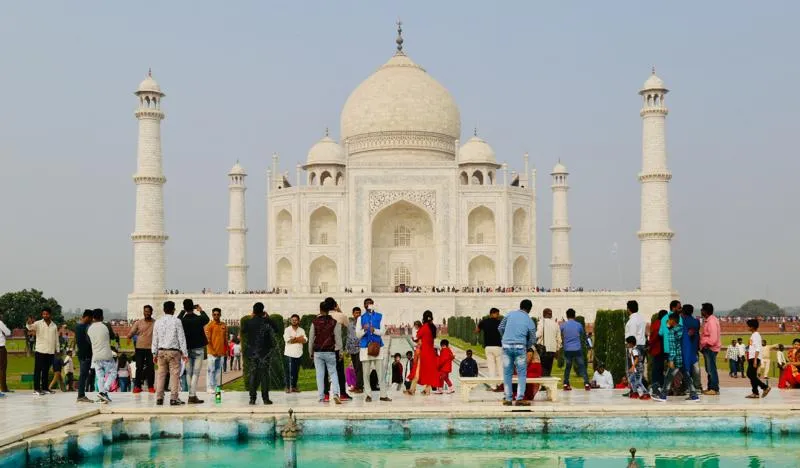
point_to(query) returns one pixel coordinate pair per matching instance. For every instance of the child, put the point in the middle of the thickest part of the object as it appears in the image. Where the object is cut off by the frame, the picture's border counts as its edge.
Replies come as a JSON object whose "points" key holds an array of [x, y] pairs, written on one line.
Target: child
{"points": [[237, 355], [397, 372], [754, 360], [58, 365], [408, 369], [350, 378], [623, 383], [446, 358], [123, 373], [468, 367], [635, 370], [763, 370], [417, 326], [675, 360], [69, 370], [780, 359], [732, 355]]}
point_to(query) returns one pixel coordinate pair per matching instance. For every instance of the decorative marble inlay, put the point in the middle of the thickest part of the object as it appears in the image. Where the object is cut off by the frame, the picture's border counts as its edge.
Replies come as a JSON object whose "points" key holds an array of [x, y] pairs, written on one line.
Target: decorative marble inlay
{"points": [[381, 198]]}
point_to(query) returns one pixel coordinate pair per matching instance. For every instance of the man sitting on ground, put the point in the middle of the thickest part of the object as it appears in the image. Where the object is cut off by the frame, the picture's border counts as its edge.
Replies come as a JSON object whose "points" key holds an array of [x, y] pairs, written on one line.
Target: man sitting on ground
{"points": [[602, 378], [468, 367]]}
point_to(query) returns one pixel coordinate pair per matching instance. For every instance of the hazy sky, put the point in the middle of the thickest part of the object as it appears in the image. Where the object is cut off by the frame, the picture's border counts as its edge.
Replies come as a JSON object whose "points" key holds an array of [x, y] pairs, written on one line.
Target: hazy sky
{"points": [[244, 79]]}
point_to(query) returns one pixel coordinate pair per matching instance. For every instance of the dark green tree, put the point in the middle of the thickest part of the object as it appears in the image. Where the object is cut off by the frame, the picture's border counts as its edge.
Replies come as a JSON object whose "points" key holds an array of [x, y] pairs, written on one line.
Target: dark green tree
{"points": [[16, 307], [758, 308], [609, 340]]}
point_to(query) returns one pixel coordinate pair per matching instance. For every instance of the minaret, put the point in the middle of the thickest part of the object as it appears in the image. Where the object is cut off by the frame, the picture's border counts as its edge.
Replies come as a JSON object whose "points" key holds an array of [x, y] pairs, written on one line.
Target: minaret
{"points": [[149, 236], [237, 231], [655, 234], [561, 266]]}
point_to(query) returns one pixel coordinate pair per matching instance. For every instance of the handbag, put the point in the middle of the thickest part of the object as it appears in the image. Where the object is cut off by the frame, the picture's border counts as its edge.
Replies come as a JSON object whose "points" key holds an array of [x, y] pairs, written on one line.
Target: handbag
{"points": [[373, 349]]}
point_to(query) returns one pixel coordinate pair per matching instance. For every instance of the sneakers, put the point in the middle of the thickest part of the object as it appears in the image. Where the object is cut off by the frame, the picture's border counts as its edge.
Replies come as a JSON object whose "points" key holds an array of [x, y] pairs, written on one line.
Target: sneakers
{"points": [[567, 388], [151, 390], [83, 399], [710, 392], [176, 402], [136, 390], [694, 398], [160, 402], [507, 403], [368, 399], [587, 387], [437, 392], [450, 390], [103, 397], [346, 398], [645, 397], [385, 399], [37, 393], [659, 398], [765, 392], [337, 400], [328, 398], [522, 403], [267, 402], [633, 396], [193, 400]]}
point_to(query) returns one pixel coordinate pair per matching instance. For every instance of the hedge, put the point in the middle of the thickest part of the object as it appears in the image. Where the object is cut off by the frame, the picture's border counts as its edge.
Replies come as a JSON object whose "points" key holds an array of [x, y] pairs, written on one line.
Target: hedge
{"points": [[609, 341]]}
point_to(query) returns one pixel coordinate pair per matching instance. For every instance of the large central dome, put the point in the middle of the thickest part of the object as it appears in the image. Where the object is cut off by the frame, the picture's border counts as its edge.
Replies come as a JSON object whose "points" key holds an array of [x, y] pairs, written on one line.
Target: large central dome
{"points": [[401, 107]]}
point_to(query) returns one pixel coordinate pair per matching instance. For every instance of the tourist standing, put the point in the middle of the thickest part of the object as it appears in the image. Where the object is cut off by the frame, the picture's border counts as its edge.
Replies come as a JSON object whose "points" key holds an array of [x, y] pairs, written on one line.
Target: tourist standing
{"points": [[732, 355], [635, 372], [169, 347], [217, 338], [571, 332], [656, 353], [142, 333], [373, 352], [354, 349], [742, 352], [636, 326], [325, 337], [690, 342], [46, 335], [194, 320], [492, 342], [4, 332], [710, 344], [343, 321], [672, 341], [260, 342], [84, 347], [754, 360], [294, 336], [518, 336], [446, 358], [548, 341], [426, 372], [105, 368]]}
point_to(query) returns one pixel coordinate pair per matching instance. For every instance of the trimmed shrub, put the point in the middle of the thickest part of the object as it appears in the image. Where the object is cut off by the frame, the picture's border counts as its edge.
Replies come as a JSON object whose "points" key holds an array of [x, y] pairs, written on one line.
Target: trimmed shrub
{"points": [[609, 341], [305, 323]]}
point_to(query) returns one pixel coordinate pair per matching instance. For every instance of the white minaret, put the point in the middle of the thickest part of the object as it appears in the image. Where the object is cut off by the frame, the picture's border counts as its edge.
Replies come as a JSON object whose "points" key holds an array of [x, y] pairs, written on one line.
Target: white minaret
{"points": [[655, 234], [149, 236], [561, 266], [237, 231]]}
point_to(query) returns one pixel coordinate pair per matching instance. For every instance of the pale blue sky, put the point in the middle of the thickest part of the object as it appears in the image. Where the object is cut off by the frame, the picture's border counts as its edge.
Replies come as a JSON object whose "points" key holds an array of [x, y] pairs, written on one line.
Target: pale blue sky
{"points": [[244, 79]]}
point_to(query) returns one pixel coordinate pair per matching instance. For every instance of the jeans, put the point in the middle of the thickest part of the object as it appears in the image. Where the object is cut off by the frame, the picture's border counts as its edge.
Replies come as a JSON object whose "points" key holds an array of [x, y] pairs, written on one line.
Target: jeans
{"points": [[106, 374], [41, 371], [214, 372], [516, 357], [340, 375], [326, 360], [733, 367], [576, 356], [669, 379], [193, 369], [124, 384], [752, 374], [636, 385], [145, 369], [292, 371], [693, 376], [259, 376], [710, 360]]}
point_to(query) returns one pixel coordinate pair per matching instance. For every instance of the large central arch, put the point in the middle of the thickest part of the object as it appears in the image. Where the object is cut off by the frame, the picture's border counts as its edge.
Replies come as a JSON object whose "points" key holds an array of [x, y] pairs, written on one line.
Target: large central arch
{"points": [[402, 236]]}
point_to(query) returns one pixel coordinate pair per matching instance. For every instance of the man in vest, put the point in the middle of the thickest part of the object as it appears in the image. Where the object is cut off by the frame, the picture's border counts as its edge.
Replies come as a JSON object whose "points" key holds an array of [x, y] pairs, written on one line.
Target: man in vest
{"points": [[324, 340], [369, 331]]}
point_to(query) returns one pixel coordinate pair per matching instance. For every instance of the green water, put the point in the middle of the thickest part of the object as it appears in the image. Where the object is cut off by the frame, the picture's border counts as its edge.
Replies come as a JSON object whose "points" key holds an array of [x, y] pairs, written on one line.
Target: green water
{"points": [[663, 451]]}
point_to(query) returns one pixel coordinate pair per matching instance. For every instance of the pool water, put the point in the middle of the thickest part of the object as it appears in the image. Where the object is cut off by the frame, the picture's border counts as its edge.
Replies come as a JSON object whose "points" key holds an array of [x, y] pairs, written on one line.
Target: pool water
{"points": [[572, 451]]}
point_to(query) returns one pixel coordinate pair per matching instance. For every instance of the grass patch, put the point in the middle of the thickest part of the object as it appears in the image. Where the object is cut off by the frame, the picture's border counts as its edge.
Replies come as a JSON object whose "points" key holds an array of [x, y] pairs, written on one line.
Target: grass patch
{"points": [[306, 382], [477, 350]]}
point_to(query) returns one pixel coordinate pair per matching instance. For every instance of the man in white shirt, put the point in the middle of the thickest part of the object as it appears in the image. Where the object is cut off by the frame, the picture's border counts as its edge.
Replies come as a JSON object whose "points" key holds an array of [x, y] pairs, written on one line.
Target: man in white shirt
{"points": [[295, 337], [753, 361], [602, 378], [548, 341], [4, 332], [636, 326], [105, 367], [169, 347], [46, 333]]}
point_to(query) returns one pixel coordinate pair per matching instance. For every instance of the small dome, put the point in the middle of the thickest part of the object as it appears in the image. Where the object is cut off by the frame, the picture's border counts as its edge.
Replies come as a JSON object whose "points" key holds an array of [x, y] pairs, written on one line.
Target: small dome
{"points": [[149, 85], [559, 169], [653, 82], [476, 151], [326, 151], [237, 169]]}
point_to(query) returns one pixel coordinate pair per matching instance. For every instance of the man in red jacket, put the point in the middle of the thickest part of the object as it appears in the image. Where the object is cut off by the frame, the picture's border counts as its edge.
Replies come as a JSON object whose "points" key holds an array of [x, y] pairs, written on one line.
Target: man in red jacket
{"points": [[446, 358]]}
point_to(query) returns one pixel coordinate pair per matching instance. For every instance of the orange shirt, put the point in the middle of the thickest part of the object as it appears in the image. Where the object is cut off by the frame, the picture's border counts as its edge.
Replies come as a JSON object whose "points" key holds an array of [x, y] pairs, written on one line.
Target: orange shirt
{"points": [[217, 335]]}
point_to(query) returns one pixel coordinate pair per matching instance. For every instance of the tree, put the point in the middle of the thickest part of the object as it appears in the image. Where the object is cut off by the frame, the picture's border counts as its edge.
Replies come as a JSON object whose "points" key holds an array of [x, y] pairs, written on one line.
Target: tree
{"points": [[758, 308], [609, 341], [16, 307]]}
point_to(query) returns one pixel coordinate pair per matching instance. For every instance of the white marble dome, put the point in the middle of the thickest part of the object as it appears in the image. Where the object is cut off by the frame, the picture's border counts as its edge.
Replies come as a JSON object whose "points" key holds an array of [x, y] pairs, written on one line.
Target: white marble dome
{"points": [[559, 169], [237, 169], [149, 85], [326, 151], [476, 151], [654, 82], [402, 101]]}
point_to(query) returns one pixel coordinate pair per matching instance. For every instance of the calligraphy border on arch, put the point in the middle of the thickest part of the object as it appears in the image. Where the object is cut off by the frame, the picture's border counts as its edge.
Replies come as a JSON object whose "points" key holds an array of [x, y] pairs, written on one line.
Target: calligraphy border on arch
{"points": [[381, 198]]}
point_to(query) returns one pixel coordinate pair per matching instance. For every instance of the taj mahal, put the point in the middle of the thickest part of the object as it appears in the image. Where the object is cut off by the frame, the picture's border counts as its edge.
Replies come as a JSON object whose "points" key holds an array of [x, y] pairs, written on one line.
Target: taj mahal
{"points": [[405, 210]]}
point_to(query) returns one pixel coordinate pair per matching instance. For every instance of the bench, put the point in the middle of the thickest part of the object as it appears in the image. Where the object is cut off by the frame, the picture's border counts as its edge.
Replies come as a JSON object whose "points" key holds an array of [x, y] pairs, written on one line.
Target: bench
{"points": [[551, 385]]}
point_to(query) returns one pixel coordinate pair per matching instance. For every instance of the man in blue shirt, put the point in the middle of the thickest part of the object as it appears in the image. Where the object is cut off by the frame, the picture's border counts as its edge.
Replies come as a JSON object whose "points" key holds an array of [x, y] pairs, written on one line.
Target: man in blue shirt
{"points": [[572, 332], [519, 335]]}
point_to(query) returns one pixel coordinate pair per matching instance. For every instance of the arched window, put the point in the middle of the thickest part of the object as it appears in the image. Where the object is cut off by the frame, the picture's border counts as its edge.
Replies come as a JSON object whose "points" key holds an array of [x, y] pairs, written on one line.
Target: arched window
{"points": [[464, 178], [477, 178], [402, 275], [402, 236], [312, 179], [339, 179]]}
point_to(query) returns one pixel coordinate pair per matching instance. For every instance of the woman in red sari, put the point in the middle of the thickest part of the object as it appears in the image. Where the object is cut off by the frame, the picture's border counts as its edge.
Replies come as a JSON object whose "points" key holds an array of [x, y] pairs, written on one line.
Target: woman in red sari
{"points": [[428, 367], [790, 378]]}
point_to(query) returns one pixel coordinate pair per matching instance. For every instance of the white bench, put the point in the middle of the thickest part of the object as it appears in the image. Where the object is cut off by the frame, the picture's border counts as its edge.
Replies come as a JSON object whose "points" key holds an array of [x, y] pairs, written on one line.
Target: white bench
{"points": [[551, 385]]}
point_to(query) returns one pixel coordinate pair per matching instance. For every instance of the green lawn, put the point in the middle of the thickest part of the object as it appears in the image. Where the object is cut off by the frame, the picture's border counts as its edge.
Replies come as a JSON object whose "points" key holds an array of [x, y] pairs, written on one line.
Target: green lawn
{"points": [[306, 382], [477, 349]]}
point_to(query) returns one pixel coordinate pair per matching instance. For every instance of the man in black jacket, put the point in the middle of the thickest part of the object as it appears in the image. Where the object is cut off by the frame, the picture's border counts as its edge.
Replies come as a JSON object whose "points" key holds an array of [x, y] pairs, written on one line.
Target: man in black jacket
{"points": [[84, 356], [468, 367], [260, 340], [194, 321]]}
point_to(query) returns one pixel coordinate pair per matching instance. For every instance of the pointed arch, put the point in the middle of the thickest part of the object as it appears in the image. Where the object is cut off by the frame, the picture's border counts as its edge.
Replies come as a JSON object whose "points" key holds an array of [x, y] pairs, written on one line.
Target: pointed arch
{"points": [[477, 178], [402, 235], [312, 178], [481, 226], [339, 179], [520, 227], [522, 273], [325, 179], [482, 272], [283, 273], [322, 226], [323, 276], [283, 228], [464, 178]]}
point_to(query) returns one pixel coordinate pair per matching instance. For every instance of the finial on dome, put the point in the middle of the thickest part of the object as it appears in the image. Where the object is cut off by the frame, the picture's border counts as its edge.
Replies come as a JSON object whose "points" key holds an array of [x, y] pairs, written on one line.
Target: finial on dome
{"points": [[399, 39], [653, 70], [150, 72], [475, 131], [326, 131]]}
